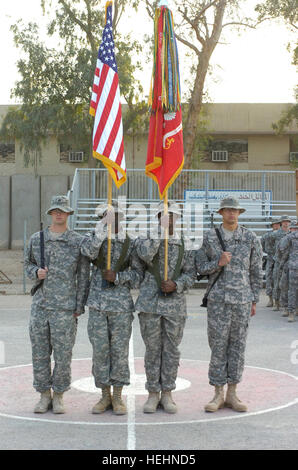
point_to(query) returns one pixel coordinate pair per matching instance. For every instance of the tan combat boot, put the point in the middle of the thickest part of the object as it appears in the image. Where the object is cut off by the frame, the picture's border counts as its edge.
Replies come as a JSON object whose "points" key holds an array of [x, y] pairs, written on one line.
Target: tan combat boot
{"points": [[232, 401], [152, 402], [285, 314], [217, 401], [58, 405], [118, 404], [168, 403], [270, 302], [104, 403], [45, 402], [291, 317], [276, 306]]}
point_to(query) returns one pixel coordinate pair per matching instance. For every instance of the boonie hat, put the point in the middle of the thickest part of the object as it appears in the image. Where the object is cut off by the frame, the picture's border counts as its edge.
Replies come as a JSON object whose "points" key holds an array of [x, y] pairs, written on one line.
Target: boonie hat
{"points": [[230, 203], [61, 203], [285, 218]]}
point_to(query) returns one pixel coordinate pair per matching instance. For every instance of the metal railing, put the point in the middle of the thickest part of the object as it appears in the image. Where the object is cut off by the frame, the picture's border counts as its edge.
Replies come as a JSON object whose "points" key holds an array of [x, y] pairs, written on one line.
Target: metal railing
{"points": [[275, 190]]}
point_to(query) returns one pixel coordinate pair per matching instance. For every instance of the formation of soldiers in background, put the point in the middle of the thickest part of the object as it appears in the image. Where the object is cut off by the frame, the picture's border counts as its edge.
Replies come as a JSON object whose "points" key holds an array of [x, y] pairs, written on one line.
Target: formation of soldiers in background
{"points": [[281, 247], [58, 260]]}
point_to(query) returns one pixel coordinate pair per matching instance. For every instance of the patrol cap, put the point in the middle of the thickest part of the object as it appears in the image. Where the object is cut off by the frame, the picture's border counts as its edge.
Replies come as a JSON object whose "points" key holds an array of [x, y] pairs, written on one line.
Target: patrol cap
{"points": [[172, 207], [61, 203], [101, 210], [230, 203], [285, 218]]}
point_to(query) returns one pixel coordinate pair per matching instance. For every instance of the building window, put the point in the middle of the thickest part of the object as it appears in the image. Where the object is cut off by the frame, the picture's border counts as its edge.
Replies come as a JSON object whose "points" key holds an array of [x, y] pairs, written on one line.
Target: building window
{"points": [[7, 152], [70, 155]]}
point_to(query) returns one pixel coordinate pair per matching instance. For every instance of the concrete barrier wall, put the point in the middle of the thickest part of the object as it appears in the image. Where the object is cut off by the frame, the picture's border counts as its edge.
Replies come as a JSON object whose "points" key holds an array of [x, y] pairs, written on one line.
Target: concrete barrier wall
{"points": [[26, 197], [4, 212]]}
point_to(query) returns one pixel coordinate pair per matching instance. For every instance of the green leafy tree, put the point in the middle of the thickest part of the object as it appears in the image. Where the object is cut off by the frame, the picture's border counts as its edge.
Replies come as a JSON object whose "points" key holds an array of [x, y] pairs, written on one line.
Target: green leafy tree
{"points": [[199, 26], [55, 85]]}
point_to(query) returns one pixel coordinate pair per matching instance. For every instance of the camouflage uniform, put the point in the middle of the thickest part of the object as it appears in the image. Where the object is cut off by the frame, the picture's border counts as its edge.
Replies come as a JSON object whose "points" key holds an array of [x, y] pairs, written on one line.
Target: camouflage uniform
{"points": [[230, 299], [289, 250], [110, 310], [276, 238], [62, 293], [162, 318], [268, 247]]}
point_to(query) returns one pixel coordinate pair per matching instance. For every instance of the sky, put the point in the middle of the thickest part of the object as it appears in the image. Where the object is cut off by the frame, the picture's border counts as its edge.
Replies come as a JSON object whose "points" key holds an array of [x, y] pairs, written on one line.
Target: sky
{"points": [[253, 67]]}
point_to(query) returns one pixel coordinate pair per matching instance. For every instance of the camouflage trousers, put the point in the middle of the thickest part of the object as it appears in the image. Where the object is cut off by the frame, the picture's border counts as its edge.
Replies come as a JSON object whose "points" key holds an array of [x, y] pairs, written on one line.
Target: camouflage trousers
{"points": [[109, 333], [227, 333], [284, 287], [50, 332], [276, 279], [293, 290], [269, 276], [162, 336]]}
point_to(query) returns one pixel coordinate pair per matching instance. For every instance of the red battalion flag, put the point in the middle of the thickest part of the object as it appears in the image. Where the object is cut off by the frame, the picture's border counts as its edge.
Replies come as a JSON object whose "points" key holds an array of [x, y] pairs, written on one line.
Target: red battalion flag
{"points": [[105, 106], [165, 156]]}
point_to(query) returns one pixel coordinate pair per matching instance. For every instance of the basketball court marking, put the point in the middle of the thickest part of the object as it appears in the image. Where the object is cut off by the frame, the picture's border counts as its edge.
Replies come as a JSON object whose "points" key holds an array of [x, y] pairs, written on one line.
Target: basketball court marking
{"points": [[160, 423]]}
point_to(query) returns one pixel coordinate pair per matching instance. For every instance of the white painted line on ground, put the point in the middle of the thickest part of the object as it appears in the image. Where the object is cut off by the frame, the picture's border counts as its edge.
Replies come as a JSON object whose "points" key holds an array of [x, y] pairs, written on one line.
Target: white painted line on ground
{"points": [[131, 404]]}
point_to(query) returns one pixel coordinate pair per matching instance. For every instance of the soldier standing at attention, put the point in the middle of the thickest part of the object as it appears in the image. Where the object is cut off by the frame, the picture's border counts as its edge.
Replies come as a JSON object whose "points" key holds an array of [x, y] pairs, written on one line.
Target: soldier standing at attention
{"points": [[268, 248], [231, 301], [162, 309], [62, 288], [289, 254], [285, 222], [111, 307]]}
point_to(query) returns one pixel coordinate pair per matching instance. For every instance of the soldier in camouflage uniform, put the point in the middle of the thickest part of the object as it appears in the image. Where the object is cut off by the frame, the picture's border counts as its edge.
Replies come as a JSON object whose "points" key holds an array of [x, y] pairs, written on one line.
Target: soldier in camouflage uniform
{"points": [[162, 308], [276, 238], [111, 307], [59, 300], [231, 301], [289, 256], [267, 246]]}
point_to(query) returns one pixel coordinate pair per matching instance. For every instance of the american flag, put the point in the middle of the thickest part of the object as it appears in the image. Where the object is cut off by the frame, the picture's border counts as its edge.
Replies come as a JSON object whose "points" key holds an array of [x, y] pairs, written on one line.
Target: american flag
{"points": [[105, 106]]}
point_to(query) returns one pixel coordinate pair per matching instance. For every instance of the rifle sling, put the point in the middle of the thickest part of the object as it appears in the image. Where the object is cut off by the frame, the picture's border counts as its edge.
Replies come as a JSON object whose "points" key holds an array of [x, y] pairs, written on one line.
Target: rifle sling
{"points": [[120, 265]]}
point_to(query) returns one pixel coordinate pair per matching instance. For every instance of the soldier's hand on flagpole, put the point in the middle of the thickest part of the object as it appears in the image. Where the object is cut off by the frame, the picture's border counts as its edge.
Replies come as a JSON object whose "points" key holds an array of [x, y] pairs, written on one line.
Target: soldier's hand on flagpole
{"points": [[109, 275], [42, 273], [168, 286]]}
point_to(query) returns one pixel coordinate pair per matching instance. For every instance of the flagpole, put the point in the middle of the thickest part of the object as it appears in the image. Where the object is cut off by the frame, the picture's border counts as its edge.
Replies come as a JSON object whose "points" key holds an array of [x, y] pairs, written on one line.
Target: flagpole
{"points": [[165, 202], [110, 186]]}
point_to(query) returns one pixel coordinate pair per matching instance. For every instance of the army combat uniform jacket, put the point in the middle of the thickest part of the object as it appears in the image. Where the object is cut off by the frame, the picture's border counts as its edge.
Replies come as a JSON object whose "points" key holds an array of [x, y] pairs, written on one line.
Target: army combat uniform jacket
{"points": [[149, 299], [241, 279], [67, 281], [118, 298]]}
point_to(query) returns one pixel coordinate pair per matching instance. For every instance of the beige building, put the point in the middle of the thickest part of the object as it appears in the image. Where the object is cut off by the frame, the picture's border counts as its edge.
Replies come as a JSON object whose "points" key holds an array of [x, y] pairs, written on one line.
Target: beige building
{"points": [[242, 138]]}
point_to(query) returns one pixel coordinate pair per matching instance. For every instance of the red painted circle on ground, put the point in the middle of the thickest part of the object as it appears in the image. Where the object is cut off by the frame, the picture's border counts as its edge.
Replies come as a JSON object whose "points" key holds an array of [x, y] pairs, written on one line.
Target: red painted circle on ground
{"points": [[263, 390]]}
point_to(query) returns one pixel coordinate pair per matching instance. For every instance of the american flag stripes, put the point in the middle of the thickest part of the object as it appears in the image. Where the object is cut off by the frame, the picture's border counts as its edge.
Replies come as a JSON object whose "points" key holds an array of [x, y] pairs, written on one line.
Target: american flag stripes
{"points": [[105, 106]]}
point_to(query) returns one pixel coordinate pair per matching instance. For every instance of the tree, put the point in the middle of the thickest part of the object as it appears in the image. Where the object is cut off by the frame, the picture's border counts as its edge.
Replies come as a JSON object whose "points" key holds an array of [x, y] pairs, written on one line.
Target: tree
{"points": [[199, 27], [55, 85], [287, 11]]}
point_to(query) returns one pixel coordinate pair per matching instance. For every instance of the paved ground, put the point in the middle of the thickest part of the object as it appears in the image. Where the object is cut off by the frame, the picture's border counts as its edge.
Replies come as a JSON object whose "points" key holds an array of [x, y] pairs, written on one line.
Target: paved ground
{"points": [[270, 387]]}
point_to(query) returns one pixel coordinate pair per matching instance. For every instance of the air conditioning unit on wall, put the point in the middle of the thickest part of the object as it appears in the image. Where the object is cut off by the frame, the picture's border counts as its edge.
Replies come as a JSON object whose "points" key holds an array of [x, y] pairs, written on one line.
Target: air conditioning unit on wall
{"points": [[220, 155], [76, 157]]}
